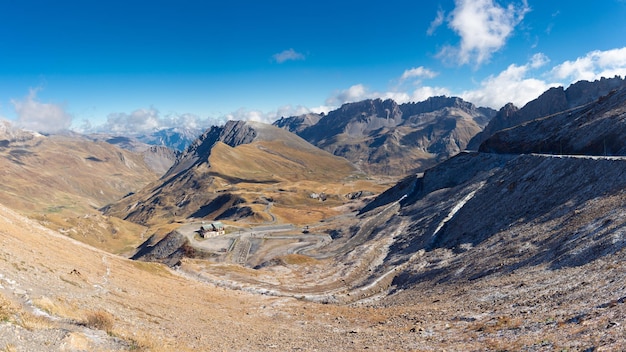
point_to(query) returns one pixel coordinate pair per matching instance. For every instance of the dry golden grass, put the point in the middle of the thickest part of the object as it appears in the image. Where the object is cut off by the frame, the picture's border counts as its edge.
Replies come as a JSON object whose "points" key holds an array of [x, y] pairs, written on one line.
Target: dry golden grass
{"points": [[34, 322], [152, 268], [62, 181], [111, 234], [14, 313], [7, 309], [298, 259], [58, 307], [274, 161], [99, 319], [144, 341]]}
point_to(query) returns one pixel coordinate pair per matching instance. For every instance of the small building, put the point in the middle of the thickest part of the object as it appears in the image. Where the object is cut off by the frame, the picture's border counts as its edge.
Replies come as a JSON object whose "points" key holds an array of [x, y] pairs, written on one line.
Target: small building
{"points": [[212, 229]]}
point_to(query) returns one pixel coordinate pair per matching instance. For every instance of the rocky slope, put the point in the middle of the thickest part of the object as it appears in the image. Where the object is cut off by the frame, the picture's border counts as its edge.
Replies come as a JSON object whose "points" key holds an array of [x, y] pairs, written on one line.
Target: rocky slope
{"points": [[382, 137], [596, 128], [553, 101]]}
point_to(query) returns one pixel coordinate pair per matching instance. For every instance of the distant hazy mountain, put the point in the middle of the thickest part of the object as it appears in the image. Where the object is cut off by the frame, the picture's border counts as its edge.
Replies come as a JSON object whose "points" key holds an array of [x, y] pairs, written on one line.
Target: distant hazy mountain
{"points": [[383, 137], [174, 138], [554, 100]]}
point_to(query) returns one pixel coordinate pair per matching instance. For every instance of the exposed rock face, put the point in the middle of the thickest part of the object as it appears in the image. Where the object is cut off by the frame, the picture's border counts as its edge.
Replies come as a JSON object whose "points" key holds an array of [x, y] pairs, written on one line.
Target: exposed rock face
{"points": [[479, 214], [354, 120], [594, 129], [383, 137], [296, 124], [235, 133], [169, 250], [159, 158], [554, 100]]}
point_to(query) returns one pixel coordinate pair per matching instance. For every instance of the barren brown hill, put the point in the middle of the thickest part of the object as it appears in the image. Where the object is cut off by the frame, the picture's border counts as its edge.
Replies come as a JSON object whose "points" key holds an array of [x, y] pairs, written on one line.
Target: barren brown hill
{"points": [[63, 180], [247, 171]]}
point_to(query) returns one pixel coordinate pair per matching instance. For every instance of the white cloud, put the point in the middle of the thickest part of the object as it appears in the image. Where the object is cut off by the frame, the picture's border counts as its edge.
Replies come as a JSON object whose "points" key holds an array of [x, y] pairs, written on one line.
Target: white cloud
{"points": [[510, 86], [247, 115], [436, 23], [145, 120], [271, 116], [356, 92], [539, 60], [40, 117], [484, 27], [288, 55], [418, 72], [594, 65], [359, 92]]}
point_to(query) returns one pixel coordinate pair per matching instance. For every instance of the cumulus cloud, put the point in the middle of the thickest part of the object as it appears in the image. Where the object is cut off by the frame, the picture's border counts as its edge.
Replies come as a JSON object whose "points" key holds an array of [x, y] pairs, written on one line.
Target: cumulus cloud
{"points": [[418, 72], [359, 92], [512, 85], [592, 66], [144, 121], [40, 117], [484, 27], [288, 55], [356, 92], [271, 116]]}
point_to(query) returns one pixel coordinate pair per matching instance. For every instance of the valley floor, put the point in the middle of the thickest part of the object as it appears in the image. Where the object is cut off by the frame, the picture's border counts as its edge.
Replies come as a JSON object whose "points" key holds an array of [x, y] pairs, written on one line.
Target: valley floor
{"points": [[50, 285]]}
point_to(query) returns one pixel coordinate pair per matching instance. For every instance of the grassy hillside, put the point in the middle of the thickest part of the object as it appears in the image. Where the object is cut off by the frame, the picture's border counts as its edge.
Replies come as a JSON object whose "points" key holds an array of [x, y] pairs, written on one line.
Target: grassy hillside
{"points": [[62, 181], [266, 181]]}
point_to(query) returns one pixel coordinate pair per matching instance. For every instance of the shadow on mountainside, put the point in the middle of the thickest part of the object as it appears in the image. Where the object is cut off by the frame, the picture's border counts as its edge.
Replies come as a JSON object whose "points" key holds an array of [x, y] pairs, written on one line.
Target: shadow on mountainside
{"points": [[519, 211]]}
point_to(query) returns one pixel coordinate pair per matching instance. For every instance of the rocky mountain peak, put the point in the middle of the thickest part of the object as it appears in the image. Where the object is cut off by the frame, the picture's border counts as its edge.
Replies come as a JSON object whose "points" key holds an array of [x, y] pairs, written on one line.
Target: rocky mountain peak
{"points": [[297, 124], [552, 101], [370, 107], [437, 103], [233, 133]]}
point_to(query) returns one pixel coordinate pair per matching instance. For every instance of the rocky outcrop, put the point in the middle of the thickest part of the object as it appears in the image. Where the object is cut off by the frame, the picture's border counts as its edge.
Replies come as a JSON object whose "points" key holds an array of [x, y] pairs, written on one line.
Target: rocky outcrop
{"points": [[297, 124], [169, 250], [553, 101], [235, 133], [594, 129], [159, 158], [480, 214], [354, 120]]}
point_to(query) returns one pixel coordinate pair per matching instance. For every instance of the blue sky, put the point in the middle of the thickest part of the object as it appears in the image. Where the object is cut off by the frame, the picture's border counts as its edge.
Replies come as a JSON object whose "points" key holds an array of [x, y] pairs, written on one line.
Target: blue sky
{"points": [[139, 65]]}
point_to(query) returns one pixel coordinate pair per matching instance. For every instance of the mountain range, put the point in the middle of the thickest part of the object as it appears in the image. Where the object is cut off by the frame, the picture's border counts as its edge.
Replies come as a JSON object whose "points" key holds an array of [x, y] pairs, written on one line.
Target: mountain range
{"points": [[383, 232], [383, 137]]}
